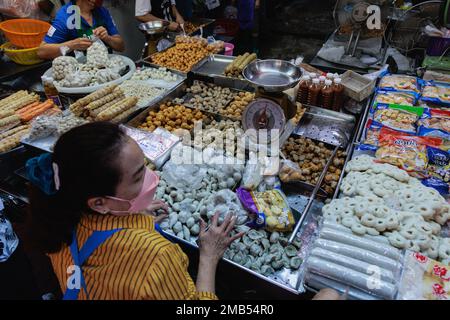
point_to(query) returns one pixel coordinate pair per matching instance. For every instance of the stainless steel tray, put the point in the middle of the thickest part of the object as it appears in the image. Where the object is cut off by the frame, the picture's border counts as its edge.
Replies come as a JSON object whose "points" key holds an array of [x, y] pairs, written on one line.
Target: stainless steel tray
{"points": [[214, 65], [328, 126]]}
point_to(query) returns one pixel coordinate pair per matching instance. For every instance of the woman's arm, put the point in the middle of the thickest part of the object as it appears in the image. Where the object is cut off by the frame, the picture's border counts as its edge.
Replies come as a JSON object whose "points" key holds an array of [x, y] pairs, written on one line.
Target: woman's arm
{"points": [[53, 50], [178, 17], [115, 42]]}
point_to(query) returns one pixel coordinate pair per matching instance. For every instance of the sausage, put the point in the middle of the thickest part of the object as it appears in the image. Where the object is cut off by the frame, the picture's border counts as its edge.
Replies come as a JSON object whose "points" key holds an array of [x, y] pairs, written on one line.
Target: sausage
{"points": [[359, 254], [351, 263], [352, 277], [360, 242], [319, 282]]}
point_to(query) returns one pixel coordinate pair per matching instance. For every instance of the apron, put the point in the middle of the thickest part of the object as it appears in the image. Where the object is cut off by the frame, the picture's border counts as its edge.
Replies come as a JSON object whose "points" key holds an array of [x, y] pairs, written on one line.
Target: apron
{"points": [[80, 256], [162, 9]]}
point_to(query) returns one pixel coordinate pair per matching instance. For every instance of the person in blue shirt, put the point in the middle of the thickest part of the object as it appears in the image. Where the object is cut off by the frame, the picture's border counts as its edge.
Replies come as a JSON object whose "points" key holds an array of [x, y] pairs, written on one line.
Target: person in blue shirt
{"points": [[65, 35]]}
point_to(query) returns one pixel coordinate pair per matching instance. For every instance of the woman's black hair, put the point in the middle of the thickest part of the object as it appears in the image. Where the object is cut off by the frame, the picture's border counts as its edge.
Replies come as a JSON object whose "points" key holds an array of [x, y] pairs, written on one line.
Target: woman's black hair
{"points": [[87, 160]]}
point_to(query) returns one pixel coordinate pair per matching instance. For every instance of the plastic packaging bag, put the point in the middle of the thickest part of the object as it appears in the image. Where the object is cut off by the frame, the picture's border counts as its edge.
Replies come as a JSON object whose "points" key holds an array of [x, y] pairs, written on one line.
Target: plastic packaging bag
{"points": [[271, 207], [252, 176], [436, 92], [97, 54], [423, 278], [106, 75], [374, 130], [290, 171], [226, 202], [396, 82], [76, 80], [8, 239], [393, 97], [397, 117], [406, 152], [63, 66], [16, 8], [435, 119]]}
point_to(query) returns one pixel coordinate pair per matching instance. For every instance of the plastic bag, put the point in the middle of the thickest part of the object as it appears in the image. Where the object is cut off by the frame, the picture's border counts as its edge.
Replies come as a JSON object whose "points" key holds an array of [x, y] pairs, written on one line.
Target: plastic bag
{"points": [[76, 80], [226, 202], [438, 164], [97, 54], [396, 82], [106, 75], [406, 152], [42, 127], [436, 92], [8, 239], [435, 119], [252, 176], [290, 171], [427, 132], [63, 66], [270, 207], [117, 64], [393, 97], [374, 130], [16, 8], [397, 117]]}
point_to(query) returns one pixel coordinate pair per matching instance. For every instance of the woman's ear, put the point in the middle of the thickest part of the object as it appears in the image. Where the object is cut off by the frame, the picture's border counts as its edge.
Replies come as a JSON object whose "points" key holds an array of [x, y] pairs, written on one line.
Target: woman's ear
{"points": [[98, 205]]}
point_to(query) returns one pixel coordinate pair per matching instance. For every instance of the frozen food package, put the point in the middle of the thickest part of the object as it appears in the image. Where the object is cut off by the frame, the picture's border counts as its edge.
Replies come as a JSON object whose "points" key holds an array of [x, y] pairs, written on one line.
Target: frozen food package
{"points": [[438, 164], [435, 119], [397, 82], [395, 97], [374, 130], [436, 133], [397, 117], [436, 92], [423, 279], [406, 152], [270, 208]]}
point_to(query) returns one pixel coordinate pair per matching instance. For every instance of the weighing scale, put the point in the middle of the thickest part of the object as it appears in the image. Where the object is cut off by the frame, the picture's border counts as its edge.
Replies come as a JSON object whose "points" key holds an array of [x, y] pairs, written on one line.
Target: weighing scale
{"points": [[272, 108]]}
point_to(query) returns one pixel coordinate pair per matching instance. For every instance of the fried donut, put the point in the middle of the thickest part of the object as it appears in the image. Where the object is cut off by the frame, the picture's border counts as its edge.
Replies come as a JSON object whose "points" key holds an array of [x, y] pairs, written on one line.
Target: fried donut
{"points": [[397, 240], [368, 220], [409, 233], [380, 225]]}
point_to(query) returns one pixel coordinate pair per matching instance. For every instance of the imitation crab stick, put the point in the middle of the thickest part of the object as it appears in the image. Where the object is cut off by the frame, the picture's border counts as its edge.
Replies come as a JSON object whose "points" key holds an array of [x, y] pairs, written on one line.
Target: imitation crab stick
{"points": [[27, 116], [28, 107]]}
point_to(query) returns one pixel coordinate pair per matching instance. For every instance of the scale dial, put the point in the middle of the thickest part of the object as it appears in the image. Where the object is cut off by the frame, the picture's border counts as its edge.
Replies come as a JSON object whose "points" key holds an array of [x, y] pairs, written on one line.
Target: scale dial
{"points": [[263, 114]]}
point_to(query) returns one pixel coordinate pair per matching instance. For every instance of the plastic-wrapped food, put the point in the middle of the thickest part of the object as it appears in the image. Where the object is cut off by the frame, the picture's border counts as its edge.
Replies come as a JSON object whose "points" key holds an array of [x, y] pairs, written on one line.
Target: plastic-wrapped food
{"points": [[97, 54], [269, 205], [438, 164], [436, 92], [397, 82], [374, 130], [406, 152], [76, 79], [394, 97], [63, 66], [436, 133], [226, 202], [401, 118], [435, 119], [117, 64], [290, 171], [423, 279], [106, 75]]}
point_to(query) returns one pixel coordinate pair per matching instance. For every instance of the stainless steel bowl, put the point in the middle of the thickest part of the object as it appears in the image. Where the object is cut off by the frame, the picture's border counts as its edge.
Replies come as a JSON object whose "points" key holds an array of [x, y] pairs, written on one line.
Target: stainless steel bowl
{"points": [[272, 75], [154, 27]]}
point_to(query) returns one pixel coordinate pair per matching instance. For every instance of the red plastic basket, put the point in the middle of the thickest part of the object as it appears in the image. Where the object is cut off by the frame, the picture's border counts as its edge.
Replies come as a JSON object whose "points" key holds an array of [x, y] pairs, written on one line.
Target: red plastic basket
{"points": [[25, 33], [226, 27]]}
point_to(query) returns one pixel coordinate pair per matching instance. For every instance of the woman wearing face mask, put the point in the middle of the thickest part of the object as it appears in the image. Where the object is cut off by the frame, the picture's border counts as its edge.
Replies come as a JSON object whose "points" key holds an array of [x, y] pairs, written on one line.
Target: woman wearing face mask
{"points": [[85, 214]]}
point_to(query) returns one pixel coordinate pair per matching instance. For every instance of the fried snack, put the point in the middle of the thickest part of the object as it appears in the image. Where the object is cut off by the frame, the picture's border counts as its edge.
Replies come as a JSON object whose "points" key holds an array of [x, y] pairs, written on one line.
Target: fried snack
{"points": [[117, 93], [81, 103], [124, 115], [172, 116], [94, 113], [12, 131], [15, 96], [21, 102], [12, 141], [300, 112], [117, 109], [9, 120], [235, 109], [182, 56]]}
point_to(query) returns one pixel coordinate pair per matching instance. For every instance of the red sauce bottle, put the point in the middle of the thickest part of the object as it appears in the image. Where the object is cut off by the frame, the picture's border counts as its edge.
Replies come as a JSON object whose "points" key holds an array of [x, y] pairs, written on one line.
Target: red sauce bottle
{"points": [[338, 98], [326, 94], [314, 91], [303, 89]]}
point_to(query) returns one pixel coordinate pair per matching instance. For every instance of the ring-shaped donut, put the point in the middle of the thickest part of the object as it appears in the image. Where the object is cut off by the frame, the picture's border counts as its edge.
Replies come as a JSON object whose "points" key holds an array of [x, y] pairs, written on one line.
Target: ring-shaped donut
{"points": [[397, 240], [358, 229], [368, 220], [409, 233]]}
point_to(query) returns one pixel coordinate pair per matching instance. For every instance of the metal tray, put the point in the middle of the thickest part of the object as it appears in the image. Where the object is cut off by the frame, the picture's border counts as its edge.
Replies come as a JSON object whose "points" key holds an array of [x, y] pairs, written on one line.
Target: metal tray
{"points": [[214, 65], [327, 126]]}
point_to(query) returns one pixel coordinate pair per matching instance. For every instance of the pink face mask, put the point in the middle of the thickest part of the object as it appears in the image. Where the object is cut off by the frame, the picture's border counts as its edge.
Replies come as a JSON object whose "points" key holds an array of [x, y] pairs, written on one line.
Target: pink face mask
{"points": [[144, 198]]}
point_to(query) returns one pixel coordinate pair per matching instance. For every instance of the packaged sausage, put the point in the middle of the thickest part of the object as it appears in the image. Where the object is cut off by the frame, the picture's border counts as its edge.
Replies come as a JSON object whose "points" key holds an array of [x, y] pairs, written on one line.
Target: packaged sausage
{"points": [[397, 82], [269, 209], [406, 152], [436, 92], [395, 97], [398, 117]]}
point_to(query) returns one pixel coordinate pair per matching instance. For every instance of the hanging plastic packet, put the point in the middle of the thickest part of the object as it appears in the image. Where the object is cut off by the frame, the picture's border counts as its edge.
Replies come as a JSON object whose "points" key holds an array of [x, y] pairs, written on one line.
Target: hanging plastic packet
{"points": [[398, 117], [397, 82], [394, 97], [436, 92], [406, 152], [268, 209]]}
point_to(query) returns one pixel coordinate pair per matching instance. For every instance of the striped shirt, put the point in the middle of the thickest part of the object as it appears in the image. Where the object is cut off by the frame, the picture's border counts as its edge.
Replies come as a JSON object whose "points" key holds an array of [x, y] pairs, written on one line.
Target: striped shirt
{"points": [[136, 263]]}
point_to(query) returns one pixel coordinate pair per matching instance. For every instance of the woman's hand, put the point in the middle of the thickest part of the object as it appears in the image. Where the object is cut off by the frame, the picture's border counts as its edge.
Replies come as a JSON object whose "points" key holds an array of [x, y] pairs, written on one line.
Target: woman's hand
{"points": [[80, 44], [101, 33], [213, 242], [173, 26], [180, 19]]}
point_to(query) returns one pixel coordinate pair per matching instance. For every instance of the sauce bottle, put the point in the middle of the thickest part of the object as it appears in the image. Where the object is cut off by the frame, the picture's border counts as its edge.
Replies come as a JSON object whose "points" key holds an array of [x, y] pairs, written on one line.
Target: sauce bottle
{"points": [[330, 76], [313, 75], [50, 90], [313, 93], [326, 94], [303, 89], [322, 80], [338, 98]]}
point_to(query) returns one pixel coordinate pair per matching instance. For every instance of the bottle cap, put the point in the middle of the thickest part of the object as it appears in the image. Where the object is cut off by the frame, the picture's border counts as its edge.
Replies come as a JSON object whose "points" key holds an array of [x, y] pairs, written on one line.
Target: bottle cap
{"points": [[316, 81], [313, 75], [330, 75], [328, 82], [322, 78], [306, 77], [337, 80]]}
